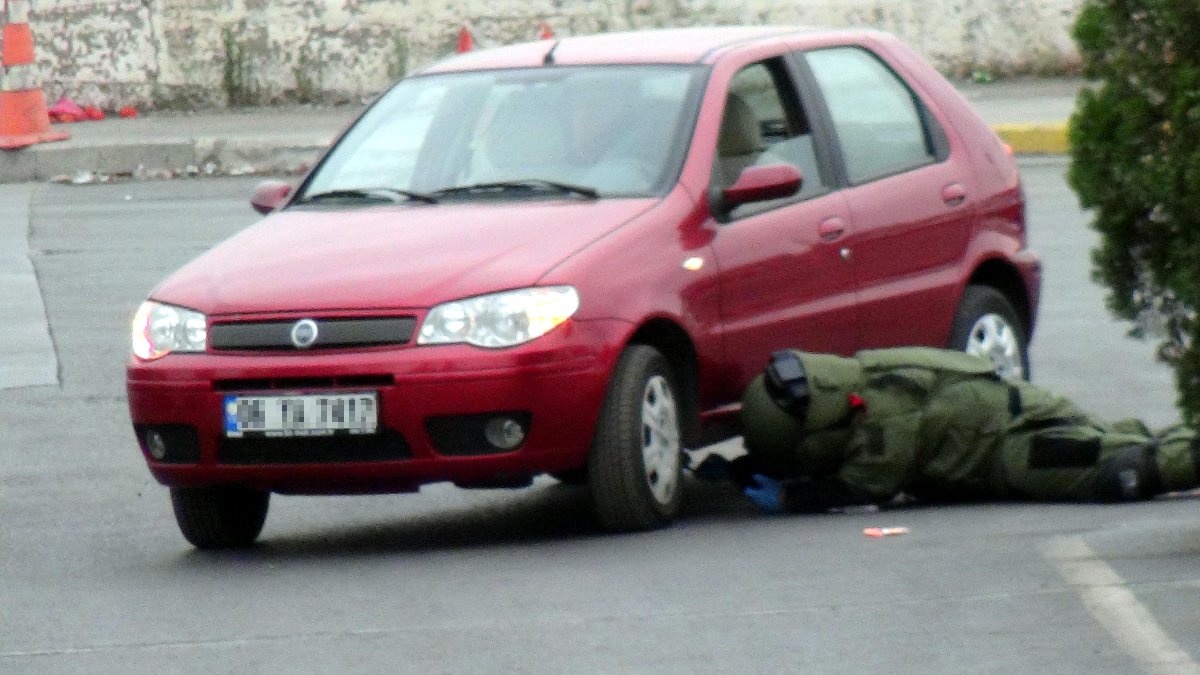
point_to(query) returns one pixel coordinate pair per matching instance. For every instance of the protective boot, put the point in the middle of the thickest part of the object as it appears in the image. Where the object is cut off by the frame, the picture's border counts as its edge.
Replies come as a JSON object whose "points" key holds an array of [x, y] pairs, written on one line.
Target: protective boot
{"points": [[1178, 459], [1128, 474]]}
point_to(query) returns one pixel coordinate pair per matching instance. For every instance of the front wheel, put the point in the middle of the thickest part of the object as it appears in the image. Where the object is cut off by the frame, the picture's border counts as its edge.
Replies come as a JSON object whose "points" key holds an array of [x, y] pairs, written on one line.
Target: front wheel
{"points": [[634, 466], [985, 324], [220, 517]]}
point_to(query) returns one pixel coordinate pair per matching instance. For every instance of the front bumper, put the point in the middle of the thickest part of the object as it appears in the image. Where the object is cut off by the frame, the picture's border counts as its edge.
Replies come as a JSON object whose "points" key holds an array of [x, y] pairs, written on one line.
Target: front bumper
{"points": [[432, 402]]}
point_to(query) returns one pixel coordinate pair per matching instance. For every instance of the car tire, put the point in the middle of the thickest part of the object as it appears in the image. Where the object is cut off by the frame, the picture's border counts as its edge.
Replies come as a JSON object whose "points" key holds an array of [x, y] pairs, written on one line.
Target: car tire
{"points": [[986, 324], [634, 469], [220, 517]]}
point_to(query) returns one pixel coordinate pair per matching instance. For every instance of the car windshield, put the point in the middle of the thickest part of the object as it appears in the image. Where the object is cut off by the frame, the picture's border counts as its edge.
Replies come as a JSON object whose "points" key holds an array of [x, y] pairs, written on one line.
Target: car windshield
{"points": [[519, 134]]}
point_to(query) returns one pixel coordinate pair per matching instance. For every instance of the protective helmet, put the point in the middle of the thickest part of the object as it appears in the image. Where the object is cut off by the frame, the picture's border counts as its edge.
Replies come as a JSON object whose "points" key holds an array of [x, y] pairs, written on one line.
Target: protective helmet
{"points": [[830, 380], [770, 433], [787, 384], [773, 410], [798, 391]]}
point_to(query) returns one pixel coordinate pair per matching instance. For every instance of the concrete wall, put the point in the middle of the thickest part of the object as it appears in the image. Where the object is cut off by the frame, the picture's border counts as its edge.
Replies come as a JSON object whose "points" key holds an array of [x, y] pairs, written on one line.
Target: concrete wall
{"points": [[195, 53]]}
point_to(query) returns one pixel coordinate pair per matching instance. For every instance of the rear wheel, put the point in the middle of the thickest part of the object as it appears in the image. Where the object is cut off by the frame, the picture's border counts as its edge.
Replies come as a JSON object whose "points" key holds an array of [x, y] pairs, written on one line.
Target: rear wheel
{"points": [[634, 466], [220, 517], [986, 324]]}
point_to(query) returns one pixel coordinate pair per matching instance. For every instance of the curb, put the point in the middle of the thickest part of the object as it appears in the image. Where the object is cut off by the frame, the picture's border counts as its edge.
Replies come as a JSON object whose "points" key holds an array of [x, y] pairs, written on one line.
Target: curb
{"points": [[1043, 138], [71, 162]]}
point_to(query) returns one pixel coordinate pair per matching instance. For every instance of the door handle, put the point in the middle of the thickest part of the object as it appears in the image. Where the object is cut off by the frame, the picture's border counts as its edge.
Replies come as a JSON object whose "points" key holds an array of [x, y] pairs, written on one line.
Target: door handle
{"points": [[831, 229], [954, 194]]}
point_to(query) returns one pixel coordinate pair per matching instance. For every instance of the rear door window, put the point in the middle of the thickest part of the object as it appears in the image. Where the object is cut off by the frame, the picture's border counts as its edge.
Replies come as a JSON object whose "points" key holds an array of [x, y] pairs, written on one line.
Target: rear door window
{"points": [[879, 122]]}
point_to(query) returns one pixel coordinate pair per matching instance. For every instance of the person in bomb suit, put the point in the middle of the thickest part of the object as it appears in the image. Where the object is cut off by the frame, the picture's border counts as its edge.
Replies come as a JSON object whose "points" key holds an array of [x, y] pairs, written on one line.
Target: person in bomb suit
{"points": [[824, 431]]}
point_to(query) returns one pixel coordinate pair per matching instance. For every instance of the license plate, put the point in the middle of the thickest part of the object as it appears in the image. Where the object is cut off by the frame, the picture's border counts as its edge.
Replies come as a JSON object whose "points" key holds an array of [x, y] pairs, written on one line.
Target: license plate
{"points": [[301, 414]]}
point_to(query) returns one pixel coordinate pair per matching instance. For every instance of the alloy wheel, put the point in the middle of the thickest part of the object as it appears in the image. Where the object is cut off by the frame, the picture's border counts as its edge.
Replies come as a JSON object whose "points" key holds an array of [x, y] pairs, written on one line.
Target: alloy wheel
{"points": [[993, 337], [660, 439]]}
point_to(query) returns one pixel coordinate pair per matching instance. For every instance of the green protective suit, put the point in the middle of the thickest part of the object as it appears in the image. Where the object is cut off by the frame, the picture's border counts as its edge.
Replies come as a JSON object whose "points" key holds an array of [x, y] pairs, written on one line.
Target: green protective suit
{"points": [[939, 425]]}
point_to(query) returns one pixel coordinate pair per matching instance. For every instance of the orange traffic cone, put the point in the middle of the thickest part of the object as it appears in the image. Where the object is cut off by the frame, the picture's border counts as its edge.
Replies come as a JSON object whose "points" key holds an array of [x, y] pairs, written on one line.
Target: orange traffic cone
{"points": [[24, 119], [466, 41], [546, 33]]}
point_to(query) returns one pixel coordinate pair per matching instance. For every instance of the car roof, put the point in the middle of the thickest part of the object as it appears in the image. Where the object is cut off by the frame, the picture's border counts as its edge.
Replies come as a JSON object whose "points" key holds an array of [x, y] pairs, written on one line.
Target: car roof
{"points": [[672, 45]]}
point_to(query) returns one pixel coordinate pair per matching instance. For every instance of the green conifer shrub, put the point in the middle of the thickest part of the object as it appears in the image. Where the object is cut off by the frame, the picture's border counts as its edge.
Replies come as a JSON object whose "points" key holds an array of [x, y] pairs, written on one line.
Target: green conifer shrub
{"points": [[1135, 160]]}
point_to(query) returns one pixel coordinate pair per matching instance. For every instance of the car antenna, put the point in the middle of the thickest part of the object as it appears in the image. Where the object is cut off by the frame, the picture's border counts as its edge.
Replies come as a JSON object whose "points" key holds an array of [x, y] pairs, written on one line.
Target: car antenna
{"points": [[548, 60]]}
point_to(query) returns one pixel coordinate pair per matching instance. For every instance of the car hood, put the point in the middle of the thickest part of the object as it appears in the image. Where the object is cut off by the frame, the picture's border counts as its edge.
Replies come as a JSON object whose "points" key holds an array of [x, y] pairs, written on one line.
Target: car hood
{"points": [[390, 257]]}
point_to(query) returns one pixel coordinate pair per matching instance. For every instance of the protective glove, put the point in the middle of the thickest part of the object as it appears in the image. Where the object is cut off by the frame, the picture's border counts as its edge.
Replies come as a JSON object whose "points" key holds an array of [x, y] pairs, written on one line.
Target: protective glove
{"points": [[714, 468], [767, 493]]}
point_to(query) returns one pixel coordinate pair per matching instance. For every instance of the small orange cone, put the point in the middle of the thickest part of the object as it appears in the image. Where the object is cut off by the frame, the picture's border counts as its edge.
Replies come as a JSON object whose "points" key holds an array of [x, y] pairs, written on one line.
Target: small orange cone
{"points": [[466, 41], [24, 119], [546, 32]]}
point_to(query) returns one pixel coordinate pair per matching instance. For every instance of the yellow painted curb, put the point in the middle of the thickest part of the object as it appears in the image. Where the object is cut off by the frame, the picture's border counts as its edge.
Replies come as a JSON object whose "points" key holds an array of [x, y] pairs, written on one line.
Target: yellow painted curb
{"points": [[1045, 138]]}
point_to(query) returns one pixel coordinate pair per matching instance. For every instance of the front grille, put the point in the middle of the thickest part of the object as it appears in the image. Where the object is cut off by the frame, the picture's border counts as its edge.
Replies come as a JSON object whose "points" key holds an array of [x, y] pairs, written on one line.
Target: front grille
{"points": [[331, 333], [386, 445], [305, 383]]}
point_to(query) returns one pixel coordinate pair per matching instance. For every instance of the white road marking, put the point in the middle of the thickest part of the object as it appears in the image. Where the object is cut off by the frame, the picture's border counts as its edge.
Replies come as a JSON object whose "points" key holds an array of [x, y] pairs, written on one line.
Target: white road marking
{"points": [[1115, 607], [27, 356]]}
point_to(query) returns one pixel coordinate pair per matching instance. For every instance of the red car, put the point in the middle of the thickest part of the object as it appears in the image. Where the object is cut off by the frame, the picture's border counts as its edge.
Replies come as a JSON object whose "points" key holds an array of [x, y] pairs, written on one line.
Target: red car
{"points": [[570, 257]]}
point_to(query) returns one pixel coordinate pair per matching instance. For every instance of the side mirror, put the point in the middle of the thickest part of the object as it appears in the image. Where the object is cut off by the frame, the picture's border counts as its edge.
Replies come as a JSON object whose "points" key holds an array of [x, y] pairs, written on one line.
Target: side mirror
{"points": [[270, 195], [760, 184]]}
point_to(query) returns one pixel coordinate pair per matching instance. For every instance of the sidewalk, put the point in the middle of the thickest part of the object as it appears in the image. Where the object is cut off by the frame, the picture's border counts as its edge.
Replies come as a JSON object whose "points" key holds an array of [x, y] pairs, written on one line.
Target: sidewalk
{"points": [[1029, 114], [256, 140]]}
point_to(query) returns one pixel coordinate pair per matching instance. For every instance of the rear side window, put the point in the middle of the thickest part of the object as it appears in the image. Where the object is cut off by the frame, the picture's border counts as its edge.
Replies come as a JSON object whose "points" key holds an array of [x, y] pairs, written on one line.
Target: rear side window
{"points": [[877, 118]]}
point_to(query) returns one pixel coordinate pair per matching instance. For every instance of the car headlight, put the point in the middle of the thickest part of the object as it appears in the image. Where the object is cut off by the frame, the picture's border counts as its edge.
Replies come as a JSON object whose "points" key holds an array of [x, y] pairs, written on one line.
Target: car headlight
{"points": [[160, 329], [501, 319]]}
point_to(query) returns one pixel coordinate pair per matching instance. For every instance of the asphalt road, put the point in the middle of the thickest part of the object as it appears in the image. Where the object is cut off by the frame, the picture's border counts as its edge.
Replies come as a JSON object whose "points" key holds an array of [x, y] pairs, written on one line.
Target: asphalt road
{"points": [[94, 577]]}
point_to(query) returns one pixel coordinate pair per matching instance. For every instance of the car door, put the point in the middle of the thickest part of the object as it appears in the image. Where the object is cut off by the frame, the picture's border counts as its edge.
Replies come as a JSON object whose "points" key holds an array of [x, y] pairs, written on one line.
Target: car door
{"points": [[784, 279], [908, 195]]}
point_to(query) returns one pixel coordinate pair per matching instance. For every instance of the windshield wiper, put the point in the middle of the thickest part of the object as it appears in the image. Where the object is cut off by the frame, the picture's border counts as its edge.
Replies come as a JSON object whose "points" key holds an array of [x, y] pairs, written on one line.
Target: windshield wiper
{"points": [[525, 185], [371, 194]]}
